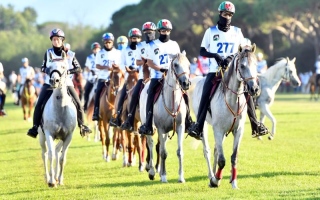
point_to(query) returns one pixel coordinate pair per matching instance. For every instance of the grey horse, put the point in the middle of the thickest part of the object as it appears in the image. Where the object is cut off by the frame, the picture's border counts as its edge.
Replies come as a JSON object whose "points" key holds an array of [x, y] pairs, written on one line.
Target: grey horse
{"points": [[169, 113], [283, 69], [59, 122], [228, 111]]}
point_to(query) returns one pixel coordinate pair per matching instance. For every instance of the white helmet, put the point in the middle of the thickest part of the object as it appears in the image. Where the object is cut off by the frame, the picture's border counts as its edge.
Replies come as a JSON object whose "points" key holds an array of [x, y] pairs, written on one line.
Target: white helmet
{"points": [[23, 60]]}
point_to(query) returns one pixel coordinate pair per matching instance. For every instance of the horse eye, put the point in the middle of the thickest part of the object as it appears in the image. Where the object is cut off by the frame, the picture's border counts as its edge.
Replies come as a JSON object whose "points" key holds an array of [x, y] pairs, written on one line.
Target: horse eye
{"points": [[176, 65]]}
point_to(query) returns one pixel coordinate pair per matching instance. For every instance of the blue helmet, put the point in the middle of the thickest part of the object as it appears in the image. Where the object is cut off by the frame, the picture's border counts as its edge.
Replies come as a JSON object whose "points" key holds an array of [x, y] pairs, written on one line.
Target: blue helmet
{"points": [[107, 36]]}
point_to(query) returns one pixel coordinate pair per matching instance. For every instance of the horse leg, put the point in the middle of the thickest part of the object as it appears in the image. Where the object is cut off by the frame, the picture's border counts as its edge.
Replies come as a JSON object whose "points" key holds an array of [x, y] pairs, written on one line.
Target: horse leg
{"points": [[221, 161], [30, 104], [103, 139], [130, 148], [115, 142], [24, 109], [150, 167], [57, 155], [142, 142], [234, 157], [206, 149], [158, 156], [44, 155], [109, 135], [51, 155], [267, 112], [124, 146], [180, 153], [163, 155]]}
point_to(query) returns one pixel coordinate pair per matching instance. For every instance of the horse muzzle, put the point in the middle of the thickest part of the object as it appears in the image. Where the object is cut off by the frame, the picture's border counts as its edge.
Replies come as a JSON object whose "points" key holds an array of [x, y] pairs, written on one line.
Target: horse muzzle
{"points": [[54, 82], [185, 84], [253, 89]]}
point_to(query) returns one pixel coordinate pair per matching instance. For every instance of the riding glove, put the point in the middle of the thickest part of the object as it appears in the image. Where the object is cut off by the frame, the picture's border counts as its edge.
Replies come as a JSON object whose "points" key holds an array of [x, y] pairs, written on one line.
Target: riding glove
{"points": [[225, 62]]}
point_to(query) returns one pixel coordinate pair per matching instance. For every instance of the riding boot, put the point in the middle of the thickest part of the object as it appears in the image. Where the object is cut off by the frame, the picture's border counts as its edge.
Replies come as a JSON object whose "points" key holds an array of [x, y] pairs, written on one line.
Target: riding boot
{"points": [[95, 116], [258, 129], [147, 128], [87, 89], [188, 120], [37, 113], [116, 121], [84, 130], [196, 129], [128, 124]]}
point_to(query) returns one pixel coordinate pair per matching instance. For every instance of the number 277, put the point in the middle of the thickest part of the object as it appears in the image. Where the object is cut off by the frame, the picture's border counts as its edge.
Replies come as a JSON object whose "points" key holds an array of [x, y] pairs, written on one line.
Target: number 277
{"points": [[224, 47]]}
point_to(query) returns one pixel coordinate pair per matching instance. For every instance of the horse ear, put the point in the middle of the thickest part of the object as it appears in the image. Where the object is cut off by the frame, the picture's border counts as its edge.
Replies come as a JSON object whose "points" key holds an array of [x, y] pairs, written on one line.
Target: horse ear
{"points": [[294, 59], [239, 48], [64, 55], [184, 52], [51, 56], [253, 49]]}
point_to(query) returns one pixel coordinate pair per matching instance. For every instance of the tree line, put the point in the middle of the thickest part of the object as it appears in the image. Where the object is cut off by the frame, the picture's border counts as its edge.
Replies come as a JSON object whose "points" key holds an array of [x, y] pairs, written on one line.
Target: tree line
{"points": [[280, 28]]}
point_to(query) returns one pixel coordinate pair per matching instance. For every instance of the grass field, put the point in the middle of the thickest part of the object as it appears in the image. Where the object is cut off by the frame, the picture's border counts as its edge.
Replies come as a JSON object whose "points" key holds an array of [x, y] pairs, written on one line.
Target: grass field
{"points": [[286, 168]]}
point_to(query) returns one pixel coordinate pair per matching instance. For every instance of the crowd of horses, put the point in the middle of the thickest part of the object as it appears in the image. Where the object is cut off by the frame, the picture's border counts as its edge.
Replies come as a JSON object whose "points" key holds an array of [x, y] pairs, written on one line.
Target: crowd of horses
{"points": [[227, 115]]}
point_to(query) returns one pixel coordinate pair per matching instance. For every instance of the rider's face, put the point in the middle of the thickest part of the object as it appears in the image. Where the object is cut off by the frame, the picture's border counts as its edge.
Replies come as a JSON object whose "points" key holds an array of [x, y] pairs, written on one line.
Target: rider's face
{"points": [[108, 44], [227, 15], [56, 41]]}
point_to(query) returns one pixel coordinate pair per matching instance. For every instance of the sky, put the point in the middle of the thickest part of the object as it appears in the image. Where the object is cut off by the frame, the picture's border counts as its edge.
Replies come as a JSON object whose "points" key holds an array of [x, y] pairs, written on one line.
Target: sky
{"points": [[96, 13]]}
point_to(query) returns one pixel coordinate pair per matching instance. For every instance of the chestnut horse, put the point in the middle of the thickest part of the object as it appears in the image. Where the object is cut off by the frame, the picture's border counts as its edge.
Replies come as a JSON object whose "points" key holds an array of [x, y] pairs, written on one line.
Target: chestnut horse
{"points": [[106, 111], [128, 139], [28, 98]]}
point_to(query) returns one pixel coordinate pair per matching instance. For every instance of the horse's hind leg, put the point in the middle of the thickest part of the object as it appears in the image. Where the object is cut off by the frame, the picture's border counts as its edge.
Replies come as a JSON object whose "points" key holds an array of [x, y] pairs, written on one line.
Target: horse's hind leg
{"points": [[234, 157], [163, 155], [150, 167], [207, 150], [180, 154], [51, 155]]}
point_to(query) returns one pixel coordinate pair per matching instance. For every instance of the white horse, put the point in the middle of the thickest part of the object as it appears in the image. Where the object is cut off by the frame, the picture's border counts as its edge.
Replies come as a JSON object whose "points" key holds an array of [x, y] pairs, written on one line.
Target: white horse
{"points": [[59, 122], [283, 69], [228, 111], [169, 113]]}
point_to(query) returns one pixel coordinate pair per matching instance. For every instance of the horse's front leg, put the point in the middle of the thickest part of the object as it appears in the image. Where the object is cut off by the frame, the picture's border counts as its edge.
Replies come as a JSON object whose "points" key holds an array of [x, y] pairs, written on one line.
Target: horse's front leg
{"points": [[103, 137], [163, 155], [123, 142], [150, 166], [180, 152], [130, 138], [221, 161], [24, 109], [234, 157], [267, 112], [116, 144], [63, 157], [51, 156]]}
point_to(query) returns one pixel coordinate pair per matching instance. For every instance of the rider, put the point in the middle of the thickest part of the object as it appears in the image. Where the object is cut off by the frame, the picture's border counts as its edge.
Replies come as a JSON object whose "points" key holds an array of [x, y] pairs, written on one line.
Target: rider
{"points": [[57, 37], [157, 59], [25, 72], [261, 64], [122, 42], [128, 59], [91, 67], [220, 43], [2, 93], [106, 59], [149, 30]]}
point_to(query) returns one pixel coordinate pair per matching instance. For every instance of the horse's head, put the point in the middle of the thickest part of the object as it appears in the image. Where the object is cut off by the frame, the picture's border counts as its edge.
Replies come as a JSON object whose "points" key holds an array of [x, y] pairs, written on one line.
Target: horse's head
{"points": [[290, 73], [28, 82], [116, 80], [180, 69], [58, 70], [132, 77], [247, 70]]}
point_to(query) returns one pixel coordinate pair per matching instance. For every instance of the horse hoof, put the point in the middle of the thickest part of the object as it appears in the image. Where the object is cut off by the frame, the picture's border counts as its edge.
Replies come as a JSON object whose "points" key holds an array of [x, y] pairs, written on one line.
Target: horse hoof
{"points": [[107, 159], [212, 184], [51, 185], [151, 177], [181, 181], [270, 138]]}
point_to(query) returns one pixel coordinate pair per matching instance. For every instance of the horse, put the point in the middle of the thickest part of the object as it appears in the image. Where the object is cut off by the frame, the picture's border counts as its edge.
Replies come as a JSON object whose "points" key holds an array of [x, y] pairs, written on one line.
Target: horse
{"points": [[312, 85], [59, 122], [107, 110], [283, 69], [228, 111], [3, 90], [128, 139], [28, 96], [89, 113], [169, 113], [79, 82]]}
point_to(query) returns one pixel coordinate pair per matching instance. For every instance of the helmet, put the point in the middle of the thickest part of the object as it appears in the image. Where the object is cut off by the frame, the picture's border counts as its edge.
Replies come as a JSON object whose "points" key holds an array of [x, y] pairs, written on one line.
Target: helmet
{"points": [[57, 32], [164, 24], [95, 45], [227, 6], [134, 32], [149, 26], [23, 60], [122, 39], [107, 36]]}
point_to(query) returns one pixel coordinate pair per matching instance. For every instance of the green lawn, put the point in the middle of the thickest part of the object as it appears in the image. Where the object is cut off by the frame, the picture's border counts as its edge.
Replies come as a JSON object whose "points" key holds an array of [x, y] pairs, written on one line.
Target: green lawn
{"points": [[286, 168]]}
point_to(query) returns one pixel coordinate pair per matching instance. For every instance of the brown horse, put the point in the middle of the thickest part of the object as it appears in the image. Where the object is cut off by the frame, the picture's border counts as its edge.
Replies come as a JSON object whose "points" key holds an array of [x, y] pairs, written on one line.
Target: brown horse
{"points": [[129, 139], [314, 92], [79, 83], [28, 98], [106, 111]]}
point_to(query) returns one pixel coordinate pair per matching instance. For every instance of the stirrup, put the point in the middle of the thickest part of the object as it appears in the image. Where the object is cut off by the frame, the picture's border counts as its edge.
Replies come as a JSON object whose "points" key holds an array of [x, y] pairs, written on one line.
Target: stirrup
{"points": [[194, 132], [84, 130], [126, 126], [33, 132], [144, 130]]}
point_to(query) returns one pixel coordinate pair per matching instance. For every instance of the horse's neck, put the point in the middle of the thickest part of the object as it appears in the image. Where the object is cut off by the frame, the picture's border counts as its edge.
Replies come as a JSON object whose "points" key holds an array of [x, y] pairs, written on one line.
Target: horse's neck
{"points": [[171, 89], [272, 76], [235, 87]]}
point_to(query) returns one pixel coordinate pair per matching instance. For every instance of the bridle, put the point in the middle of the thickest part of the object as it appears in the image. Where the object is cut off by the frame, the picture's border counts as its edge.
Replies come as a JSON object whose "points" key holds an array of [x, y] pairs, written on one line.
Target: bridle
{"points": [[286, 75]]}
